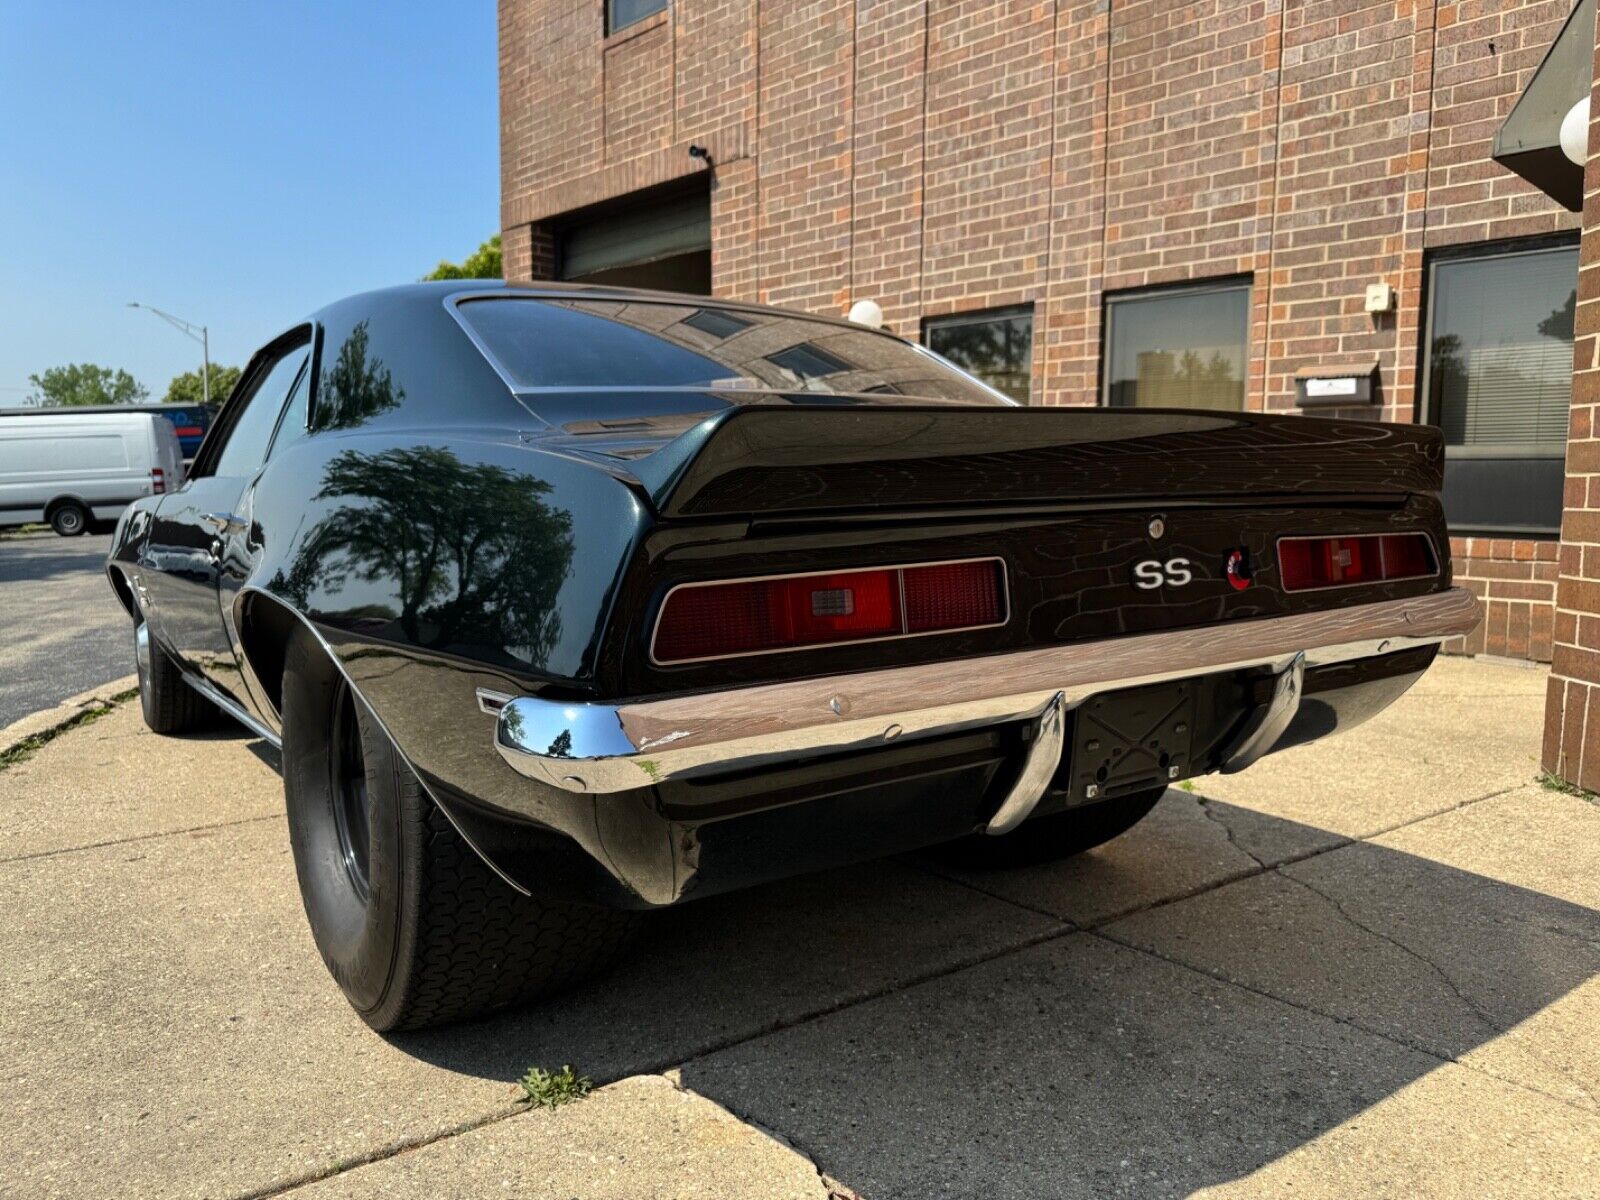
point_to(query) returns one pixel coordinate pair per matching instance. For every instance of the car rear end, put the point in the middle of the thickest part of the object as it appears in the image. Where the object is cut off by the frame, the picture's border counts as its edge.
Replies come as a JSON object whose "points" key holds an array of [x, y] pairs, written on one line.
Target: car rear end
{"points": [[864, 625]]}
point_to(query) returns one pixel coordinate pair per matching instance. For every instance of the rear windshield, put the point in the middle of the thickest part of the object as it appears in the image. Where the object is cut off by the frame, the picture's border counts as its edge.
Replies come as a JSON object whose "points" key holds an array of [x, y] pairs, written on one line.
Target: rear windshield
{"points": [[616, 344]]}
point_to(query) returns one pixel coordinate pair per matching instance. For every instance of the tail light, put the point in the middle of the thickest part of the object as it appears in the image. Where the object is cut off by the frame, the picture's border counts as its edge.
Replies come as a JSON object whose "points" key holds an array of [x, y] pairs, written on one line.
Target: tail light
{"points": [[792, 612], [158, 481], [189, 431], [1307, 563]]}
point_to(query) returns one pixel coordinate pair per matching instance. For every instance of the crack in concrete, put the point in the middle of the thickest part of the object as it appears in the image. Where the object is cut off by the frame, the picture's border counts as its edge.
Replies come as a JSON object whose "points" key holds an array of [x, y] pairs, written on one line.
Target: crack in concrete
{"points": [[1208, 808], [1496, 1027], [139, 837], [1381, 1034]]}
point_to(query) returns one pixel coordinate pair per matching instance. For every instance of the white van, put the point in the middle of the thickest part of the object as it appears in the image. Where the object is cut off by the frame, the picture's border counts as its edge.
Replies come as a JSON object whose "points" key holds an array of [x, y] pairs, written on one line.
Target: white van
{"points": [[73, 468]]}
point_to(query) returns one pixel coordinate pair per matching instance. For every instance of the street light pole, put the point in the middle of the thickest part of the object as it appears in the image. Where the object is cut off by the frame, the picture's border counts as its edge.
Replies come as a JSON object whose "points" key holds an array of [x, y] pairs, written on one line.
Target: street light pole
{"points": [[198, 332]]}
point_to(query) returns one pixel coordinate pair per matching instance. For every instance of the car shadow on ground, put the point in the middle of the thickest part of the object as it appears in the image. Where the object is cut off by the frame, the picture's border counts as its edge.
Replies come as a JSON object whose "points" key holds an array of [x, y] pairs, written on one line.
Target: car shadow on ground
{"points": [[925, 1037]]}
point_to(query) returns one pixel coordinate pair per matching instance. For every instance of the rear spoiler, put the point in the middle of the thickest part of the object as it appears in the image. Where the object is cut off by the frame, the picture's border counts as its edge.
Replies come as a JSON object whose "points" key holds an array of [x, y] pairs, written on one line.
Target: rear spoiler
{"points": [[823, 458]]}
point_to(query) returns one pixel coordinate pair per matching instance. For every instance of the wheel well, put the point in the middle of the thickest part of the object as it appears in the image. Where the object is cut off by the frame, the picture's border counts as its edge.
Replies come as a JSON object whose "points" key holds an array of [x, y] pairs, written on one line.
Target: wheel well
{"points": [[120, 585], [50, 509], [265, 626]]}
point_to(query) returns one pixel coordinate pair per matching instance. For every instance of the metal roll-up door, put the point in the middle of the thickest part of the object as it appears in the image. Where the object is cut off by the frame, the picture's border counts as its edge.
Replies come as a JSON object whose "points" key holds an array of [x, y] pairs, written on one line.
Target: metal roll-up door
{"points": [[659, 244]]}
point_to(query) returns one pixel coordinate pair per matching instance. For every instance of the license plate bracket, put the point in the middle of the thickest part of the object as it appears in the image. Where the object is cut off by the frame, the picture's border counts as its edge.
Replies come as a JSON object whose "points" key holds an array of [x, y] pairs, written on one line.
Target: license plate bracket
{"points": [[1129, 740]]}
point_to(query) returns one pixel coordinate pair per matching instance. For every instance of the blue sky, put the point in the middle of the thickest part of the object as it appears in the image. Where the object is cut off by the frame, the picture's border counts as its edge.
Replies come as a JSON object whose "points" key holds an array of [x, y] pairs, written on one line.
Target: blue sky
{"points": [[236, 164]]}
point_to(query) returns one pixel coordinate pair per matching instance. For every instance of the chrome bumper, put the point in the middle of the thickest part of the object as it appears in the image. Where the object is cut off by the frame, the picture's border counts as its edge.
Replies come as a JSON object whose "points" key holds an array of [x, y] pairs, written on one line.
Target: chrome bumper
{"points": [[616, 747]]}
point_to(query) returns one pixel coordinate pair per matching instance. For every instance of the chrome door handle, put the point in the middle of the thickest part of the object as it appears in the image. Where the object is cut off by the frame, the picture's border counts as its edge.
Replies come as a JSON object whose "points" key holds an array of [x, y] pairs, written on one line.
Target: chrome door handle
{"points": [[224, 522]]}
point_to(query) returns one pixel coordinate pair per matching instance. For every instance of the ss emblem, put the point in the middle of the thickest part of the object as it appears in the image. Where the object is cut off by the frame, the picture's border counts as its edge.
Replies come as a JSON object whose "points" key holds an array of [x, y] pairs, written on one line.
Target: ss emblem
{"points": [[1152, 573]]}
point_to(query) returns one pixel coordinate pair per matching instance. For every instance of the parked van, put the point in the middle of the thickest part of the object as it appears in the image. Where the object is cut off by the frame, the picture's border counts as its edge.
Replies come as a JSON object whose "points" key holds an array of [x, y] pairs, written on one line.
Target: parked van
{"points": [[73, 468]]}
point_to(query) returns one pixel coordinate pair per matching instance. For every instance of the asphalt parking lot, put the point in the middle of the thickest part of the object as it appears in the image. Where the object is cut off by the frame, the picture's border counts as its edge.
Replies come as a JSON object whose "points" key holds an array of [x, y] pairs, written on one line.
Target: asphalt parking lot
{"points": [[63, 630], [1363, 967]]}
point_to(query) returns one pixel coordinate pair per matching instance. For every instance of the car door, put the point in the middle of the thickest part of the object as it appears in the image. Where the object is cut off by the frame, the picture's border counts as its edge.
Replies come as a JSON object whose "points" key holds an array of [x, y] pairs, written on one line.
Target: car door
{"points": [[190, 532]]}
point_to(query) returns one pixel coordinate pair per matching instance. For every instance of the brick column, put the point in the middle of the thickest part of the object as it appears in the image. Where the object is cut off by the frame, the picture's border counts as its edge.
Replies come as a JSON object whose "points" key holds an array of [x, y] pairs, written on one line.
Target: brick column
{"points": [[527, 252], [1572, 705]]}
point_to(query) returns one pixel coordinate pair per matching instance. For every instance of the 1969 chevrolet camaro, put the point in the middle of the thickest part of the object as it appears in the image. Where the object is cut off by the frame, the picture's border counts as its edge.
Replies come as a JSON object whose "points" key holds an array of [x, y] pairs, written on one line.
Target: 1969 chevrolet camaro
{"points": [[567, 602]]}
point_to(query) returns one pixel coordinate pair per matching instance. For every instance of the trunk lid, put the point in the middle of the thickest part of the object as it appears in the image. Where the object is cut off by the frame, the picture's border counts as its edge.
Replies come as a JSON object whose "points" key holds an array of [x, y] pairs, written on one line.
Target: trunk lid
{"points": [[806, 459]]}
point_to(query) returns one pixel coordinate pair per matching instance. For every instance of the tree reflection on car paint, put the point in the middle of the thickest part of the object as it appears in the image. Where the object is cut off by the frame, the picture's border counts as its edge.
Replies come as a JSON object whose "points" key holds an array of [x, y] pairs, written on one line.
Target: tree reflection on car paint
{"points": [[475, 552]]}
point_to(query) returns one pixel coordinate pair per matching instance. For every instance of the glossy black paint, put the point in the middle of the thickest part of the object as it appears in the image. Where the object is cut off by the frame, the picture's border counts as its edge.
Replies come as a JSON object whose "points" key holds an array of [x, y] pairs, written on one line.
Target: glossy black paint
{"points": [[441, 534]]}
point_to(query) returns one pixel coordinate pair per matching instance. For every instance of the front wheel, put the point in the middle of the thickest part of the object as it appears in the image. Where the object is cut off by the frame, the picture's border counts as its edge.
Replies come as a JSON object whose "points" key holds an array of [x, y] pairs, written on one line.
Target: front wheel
{"points": [[168, 704], [414, 926], [1059, 835]]}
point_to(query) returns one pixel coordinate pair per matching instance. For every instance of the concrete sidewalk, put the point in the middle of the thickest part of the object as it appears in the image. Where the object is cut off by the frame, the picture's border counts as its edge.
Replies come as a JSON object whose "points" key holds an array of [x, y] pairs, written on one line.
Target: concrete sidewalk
{"points": [[1364, 966]]}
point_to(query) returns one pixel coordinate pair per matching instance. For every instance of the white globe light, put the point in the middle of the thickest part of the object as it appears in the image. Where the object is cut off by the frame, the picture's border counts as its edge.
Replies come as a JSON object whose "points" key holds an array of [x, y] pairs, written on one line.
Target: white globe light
{"points": [[868, 313], [1575, 132]]}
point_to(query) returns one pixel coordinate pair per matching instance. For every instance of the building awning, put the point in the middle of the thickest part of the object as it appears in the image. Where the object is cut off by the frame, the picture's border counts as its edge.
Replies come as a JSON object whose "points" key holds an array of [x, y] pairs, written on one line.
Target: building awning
{"points": [[1529, 142]]}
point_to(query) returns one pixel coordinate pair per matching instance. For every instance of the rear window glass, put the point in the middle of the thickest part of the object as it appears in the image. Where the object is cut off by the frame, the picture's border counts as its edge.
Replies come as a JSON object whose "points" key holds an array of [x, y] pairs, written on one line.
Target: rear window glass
{"points": [[615, 344]]}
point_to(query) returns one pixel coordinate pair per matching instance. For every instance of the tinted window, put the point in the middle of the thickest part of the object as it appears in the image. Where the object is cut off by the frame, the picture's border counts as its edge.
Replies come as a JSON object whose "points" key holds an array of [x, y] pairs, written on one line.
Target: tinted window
{"points": [[246, 447], [612, 344], [1184, 348], [996, 347], [622, 13], [1499, 384]]}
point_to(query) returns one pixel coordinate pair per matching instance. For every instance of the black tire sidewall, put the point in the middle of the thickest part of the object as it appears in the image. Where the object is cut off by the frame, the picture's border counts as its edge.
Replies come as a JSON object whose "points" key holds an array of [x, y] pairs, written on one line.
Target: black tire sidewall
{"points": [[362, 943]]}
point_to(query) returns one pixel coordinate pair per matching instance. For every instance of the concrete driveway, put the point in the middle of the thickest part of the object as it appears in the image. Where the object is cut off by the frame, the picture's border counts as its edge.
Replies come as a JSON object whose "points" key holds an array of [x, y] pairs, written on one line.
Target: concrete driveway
{"points": [[61, 628], [1363, 967]]}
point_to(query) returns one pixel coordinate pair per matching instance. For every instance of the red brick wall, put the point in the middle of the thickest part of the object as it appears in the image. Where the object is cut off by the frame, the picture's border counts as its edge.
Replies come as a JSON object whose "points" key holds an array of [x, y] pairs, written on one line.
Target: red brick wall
{"points": [[1572, 707], [1515, 580], [949, 155]]}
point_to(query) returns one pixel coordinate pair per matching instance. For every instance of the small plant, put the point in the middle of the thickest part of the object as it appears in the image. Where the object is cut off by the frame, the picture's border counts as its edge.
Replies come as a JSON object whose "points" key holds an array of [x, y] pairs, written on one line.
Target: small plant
{"points": [[1187, 785], [551, 1089], [1554, 783]]}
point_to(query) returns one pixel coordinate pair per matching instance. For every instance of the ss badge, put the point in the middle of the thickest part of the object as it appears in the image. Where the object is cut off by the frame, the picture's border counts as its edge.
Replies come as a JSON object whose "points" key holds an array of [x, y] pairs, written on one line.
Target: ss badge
{"points": [[1152, 573]]}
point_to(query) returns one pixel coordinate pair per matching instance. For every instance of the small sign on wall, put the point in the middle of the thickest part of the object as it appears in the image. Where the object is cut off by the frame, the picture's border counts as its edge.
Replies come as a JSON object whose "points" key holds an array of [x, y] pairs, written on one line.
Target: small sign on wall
{"points": [[1336, 385]]}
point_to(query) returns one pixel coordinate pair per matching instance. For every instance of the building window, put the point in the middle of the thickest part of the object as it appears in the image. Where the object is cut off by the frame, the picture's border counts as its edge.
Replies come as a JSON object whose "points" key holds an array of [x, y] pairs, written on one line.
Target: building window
{"points": [[622, 13], [1498, 381], [996, 346], [1185, 347]]}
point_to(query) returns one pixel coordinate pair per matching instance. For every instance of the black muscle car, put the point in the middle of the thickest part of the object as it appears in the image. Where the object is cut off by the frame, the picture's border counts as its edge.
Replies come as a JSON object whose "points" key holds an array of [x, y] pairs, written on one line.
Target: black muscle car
{"points": [[567, 602]]}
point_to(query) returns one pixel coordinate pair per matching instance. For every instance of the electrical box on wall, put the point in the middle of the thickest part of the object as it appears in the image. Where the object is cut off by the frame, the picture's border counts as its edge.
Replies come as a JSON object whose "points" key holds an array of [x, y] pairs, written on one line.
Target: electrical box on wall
{"points": [[1336, 385], [1380, 298]]}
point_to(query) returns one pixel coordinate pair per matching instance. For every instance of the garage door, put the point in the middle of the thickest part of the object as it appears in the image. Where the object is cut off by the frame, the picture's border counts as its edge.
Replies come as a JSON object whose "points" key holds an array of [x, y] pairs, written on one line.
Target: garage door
{"points": [[654, 244]]}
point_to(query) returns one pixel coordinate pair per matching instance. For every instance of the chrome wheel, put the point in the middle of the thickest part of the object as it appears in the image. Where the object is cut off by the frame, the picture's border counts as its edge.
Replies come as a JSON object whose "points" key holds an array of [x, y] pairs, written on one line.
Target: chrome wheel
{"points": [[348, 765], [141, 654]]}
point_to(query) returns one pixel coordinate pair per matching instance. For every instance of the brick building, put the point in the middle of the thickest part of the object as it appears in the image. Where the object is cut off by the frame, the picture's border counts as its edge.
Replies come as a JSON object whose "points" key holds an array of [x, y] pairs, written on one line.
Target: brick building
{"points": [[1089, 202]]}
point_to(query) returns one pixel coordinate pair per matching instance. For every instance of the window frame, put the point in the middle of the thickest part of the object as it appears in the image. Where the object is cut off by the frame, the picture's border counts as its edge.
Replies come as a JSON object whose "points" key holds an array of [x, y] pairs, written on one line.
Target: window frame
{"points": [[1422, 399], [985, 316], [1476, 252], [256, 372], [1221, 283], [608, 7]]}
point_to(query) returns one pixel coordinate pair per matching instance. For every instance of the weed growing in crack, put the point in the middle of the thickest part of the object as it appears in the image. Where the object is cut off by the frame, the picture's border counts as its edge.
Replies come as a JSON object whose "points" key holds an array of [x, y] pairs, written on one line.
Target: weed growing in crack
{"points": [[551, 1089]]}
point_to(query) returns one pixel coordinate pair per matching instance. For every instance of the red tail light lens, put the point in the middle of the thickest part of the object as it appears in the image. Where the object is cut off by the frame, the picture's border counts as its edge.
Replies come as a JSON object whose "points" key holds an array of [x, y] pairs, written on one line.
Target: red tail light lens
{"points": [[1307, 563], [760, 616], [158, 481]]}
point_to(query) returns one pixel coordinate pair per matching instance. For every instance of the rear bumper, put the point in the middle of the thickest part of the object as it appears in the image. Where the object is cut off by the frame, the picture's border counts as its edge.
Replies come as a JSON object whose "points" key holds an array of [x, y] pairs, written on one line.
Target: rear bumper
{"points": [[593, 748]]}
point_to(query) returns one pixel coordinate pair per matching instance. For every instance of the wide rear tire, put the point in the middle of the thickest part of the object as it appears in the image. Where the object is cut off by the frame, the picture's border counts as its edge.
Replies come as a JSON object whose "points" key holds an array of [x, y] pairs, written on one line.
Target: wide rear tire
{"points": [[414, 926], [1057, 836]]}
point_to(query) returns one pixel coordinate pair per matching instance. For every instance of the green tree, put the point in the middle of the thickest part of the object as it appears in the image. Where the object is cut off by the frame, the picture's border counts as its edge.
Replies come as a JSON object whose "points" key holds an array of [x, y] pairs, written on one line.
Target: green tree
{"points": [[86, 383], [482, 263], [189, 388]]}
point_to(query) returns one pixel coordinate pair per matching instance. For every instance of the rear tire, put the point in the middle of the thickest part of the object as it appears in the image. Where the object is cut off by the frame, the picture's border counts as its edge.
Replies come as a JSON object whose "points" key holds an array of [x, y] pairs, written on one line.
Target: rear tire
{"points": [[414, 926], [1059, 835], [69, 519], [170, 706]]}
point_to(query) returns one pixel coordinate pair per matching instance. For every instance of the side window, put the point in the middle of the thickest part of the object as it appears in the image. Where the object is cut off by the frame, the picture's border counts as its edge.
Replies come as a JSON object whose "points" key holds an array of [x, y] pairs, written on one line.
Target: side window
{"points": [[246, 446], [293, 425]]}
